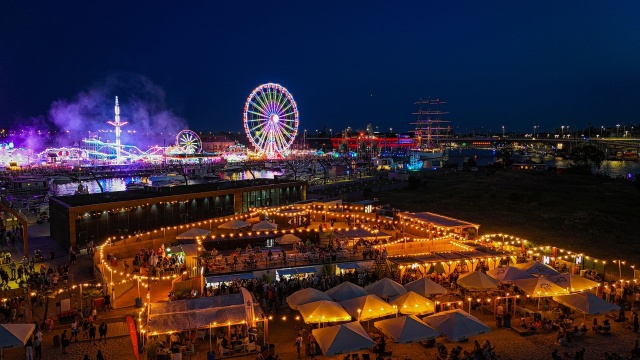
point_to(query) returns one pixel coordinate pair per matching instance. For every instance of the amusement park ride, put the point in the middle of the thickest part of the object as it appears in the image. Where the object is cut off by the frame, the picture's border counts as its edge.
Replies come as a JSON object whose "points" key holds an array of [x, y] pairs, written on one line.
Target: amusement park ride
{"points": [[270, 121]]}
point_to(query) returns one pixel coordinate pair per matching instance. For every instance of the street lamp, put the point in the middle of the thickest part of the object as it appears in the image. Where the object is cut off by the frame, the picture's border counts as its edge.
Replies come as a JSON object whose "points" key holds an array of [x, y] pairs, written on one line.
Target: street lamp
{"points": [[502, 131], [534, 130], [304, 138], [601, 130], [620, 262], [331, 131], [568, 132], [617, 129], [562, 127]]}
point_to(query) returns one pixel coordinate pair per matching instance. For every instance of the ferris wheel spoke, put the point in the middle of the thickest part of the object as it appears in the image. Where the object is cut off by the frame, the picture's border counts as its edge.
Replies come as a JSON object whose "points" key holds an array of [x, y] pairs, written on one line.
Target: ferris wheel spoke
{"points": [[269, 100], [288, 114], [261, 115], [258, 104], [253, 129], [261, 139], [289, 127], [282, 101], [281, 140]]}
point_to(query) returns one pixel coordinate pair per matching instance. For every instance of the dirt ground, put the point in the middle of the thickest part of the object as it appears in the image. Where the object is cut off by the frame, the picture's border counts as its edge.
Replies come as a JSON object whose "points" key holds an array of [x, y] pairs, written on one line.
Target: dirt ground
{"points": [[589, 214]]}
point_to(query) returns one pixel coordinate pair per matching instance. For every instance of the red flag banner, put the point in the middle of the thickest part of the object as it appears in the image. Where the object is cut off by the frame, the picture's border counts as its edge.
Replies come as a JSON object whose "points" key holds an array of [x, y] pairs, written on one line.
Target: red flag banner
{"points": [[134, 336]]}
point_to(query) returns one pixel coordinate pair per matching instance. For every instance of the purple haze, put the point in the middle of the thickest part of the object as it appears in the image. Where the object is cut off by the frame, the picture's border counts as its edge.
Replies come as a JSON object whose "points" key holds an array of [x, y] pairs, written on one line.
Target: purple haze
{"points": [[142, 105]]}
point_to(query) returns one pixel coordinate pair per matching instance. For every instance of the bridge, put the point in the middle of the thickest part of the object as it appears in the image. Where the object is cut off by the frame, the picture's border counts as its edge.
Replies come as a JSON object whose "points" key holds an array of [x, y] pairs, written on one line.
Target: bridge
{"points": [[488, 141]]}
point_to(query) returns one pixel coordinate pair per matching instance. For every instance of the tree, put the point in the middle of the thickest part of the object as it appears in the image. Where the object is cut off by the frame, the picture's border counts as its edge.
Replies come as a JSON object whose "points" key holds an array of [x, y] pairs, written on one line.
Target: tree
{"points": [[587, 156]]}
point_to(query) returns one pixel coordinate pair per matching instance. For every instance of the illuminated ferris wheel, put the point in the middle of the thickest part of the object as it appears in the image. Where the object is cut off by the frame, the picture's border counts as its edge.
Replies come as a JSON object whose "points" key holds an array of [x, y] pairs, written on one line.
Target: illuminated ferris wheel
{"points": [[271, 119], [189, 142]]}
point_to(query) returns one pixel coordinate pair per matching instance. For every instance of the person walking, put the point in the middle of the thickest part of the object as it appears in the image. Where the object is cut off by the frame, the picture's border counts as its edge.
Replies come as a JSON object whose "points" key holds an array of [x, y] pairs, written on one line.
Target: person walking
{"points": [[64, 341], [37, 344], [299, 346], [103, 331], [74, 330], [28, 349], [92, 333], [12, 266], [312, 350], [99, 355]]}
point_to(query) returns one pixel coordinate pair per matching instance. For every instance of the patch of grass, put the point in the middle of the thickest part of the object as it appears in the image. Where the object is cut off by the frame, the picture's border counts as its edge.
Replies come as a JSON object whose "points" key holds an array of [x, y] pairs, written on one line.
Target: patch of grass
{"points": [[580, 213]]}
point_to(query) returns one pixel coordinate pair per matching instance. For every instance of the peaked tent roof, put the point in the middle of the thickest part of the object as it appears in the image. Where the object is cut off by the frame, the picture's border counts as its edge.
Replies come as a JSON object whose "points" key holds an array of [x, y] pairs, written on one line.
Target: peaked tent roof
{"points": [[264, 225], [323, 311], [385, 287], [306, 296], [193, 233], [425, 287], [540, 287], [537, 268], [15, 335], [587, 303], [346, 291], [406, 329], [477, 280], [456, 325], [288, 239], [412, 303], [368, 307], [509, 273], [572, 282], [234, 224], [345, 338]]}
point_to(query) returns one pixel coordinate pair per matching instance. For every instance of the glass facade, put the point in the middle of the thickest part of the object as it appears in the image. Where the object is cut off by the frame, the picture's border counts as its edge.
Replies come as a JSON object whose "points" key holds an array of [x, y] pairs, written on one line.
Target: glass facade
{"points": [[98, 226], [271, 197]]}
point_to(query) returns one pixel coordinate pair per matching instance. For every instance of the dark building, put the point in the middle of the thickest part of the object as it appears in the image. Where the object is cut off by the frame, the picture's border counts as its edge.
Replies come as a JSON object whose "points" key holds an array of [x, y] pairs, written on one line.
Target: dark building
{"points": [[76, 219]]}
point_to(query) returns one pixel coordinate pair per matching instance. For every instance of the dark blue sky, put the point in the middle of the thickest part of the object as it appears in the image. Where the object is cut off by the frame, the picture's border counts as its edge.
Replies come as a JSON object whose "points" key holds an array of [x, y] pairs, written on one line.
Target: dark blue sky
{"points": [[511, 63]]}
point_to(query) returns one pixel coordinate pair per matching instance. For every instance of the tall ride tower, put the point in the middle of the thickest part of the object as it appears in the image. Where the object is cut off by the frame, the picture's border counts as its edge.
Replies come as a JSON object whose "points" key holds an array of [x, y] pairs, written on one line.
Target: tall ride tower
{"points": [[117, 124]]}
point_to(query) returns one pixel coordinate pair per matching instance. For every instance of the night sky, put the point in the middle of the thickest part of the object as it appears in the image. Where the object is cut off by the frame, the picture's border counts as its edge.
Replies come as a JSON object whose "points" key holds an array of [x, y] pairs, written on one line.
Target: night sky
{"points": [[347, 63]]}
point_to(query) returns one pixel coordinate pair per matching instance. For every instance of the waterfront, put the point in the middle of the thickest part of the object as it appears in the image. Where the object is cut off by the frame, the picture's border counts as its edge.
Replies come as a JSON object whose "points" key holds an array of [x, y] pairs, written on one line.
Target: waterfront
{"points": [[120, 183]]}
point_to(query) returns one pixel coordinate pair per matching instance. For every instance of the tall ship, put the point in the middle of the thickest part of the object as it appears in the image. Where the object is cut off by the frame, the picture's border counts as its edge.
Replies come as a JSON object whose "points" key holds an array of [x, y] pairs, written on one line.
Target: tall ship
{"points": [[431, 130]]}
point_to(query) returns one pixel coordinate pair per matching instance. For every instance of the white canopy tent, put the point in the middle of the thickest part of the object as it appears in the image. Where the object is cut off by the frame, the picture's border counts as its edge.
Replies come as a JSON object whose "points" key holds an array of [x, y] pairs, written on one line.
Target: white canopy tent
{"points": [[264, 225], [425, 287], [477, 280], [14, 335], [537, 268], [288, 239], [234, 224], [368, 307], [306, 296], [406, 329], [456, 325], [340, 339], [385, 288], [572, 282], [509, 273], [346, 291], [323, 311], [413, 304], [540, 287], [587, 303], [193, 233]]}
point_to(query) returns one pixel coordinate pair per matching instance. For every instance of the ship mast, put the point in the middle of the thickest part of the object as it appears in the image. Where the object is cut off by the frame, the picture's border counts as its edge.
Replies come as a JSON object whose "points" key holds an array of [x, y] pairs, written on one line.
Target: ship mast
{"points": [[429, 123]]}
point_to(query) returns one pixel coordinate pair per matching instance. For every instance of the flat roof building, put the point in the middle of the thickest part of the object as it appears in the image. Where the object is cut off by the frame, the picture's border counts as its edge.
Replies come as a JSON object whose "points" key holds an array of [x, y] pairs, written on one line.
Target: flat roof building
{"points": [[77, 219]]}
